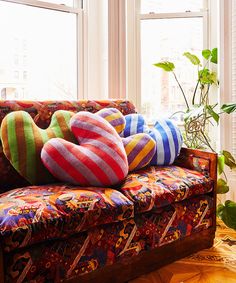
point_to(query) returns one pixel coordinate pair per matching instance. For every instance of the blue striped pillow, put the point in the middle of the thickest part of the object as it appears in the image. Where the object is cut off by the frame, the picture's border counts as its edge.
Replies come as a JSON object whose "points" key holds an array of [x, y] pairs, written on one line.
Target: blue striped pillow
{"points": [[135, 124], [168, 140]]}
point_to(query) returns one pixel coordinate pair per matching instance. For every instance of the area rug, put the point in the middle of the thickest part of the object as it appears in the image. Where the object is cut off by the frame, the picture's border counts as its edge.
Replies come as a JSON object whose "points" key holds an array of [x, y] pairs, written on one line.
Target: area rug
{"points": [[214, 265]]}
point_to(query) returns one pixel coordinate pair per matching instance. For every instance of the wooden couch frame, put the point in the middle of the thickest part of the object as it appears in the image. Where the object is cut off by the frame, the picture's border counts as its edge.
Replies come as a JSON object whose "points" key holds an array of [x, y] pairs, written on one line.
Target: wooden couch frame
{"points": [[148, 261]]}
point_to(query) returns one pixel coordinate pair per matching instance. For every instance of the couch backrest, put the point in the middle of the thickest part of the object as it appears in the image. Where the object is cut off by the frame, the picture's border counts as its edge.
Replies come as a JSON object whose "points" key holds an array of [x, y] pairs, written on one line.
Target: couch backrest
{"points": [[41, 112]]}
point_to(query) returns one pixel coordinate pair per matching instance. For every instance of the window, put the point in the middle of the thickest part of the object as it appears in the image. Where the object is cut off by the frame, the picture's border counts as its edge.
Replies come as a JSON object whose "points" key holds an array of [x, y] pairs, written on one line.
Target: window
{"points": [[167, 30], [162, 31], [39, 50]]}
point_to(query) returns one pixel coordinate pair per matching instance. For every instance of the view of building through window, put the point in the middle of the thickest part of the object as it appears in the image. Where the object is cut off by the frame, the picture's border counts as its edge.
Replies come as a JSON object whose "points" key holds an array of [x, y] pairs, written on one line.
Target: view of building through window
{"points": [[38, 53], [167, 40]]}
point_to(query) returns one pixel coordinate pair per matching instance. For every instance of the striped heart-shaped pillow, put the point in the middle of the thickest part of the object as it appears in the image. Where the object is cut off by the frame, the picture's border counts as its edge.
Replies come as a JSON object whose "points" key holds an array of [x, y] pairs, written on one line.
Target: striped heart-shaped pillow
{"points": [[22, 141], [165, 133], [99, 159], [139, 147]]}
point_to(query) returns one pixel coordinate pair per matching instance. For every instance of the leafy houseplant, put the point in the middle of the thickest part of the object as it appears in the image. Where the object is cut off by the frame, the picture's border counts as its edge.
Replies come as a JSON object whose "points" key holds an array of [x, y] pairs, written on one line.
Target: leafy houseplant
{"points": [[199, 116]]}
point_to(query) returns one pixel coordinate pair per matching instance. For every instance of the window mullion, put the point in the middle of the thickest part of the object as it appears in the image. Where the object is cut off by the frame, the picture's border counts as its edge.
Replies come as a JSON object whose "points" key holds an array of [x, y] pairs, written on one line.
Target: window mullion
{"points": [[46, 5], [152, 16]]}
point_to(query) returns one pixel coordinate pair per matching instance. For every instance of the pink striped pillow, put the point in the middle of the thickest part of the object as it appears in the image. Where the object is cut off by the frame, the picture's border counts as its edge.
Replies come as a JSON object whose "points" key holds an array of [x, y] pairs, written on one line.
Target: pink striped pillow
{"points": [[99, 159]]}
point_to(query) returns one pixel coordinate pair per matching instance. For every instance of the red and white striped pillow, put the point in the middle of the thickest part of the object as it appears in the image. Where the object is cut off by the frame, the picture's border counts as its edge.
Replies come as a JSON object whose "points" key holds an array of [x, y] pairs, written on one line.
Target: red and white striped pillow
{"points": [[99, 159]]}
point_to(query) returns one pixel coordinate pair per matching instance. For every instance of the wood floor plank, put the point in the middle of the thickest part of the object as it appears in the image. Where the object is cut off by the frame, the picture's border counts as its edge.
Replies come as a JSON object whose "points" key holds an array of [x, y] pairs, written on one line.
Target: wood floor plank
{"points": [[214, 265]]}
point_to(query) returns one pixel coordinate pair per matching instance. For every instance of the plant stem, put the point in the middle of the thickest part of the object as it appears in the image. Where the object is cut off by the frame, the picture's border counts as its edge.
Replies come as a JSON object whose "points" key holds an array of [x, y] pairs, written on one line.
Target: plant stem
{"points": [[181, 90], [176, 113], [226, 179], [207, 142], [195, 91]]}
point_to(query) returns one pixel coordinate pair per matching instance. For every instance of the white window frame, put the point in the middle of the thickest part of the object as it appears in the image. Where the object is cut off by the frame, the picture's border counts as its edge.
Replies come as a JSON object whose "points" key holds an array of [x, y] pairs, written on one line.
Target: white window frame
{"points": [[226, 86], [78, 11], [134, 19]]}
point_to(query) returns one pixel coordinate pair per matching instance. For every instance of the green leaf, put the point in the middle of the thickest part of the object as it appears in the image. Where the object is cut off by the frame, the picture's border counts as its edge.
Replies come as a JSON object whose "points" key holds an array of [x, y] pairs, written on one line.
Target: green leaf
{"points": [[166, 66], [193, 58], [229, 159], [221, 163], [222, 187], [229, 107], [206, 53], [213, 114], [207, 77], [227, 213], [214, 56]]}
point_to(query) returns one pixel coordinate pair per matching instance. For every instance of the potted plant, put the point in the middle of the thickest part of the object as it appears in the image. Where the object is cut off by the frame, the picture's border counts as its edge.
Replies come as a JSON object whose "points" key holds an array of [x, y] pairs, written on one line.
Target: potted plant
{"points": [[200, 115]]}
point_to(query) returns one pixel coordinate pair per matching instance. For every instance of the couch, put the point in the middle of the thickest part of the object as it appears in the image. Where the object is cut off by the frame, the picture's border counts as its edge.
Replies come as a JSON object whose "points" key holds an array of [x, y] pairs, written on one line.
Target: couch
{"points": [[63, 233]]}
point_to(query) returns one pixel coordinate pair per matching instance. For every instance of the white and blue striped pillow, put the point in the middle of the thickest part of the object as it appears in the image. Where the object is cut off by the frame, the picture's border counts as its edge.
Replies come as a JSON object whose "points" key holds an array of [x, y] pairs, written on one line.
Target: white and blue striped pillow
{"points": [[135, 124], [168, 141]]}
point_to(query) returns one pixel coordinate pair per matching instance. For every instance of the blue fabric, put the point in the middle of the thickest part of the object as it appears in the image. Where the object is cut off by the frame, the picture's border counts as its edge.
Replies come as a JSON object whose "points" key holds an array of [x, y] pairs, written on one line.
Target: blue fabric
{"points": [[135, 124], [166, 134], [169, 142]]}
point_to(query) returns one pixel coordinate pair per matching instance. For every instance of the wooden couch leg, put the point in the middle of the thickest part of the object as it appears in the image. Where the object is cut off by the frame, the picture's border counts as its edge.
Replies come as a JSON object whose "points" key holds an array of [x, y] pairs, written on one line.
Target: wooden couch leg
{"points": [[1, 266]]}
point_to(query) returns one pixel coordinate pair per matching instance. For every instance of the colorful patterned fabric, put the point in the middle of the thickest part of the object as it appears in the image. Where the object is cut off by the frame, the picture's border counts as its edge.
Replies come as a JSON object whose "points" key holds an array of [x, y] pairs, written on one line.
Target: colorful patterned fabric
{"points": [[195, 163], [114, 117], [99, 159], [158, 186], [165, 133], [22, 142], [41, 112], [37, 213], [55, 261], [140, 149], [135, 124], [168, 140]]}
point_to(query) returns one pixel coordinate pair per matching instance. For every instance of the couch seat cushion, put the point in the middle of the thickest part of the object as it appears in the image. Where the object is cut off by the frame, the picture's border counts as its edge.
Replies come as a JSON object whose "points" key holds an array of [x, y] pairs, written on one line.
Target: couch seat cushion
{"points": [[158, 186], [33, 214]]}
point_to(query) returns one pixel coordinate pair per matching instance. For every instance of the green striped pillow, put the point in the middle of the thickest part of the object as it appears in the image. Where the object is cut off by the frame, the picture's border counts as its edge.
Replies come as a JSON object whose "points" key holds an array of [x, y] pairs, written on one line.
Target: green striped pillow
{"points": [[22, 142]]}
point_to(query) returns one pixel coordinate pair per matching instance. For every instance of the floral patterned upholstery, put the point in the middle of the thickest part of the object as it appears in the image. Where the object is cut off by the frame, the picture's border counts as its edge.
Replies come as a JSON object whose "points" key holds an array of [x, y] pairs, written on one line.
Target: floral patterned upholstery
{"points": [[158, 186], [107, 244]]}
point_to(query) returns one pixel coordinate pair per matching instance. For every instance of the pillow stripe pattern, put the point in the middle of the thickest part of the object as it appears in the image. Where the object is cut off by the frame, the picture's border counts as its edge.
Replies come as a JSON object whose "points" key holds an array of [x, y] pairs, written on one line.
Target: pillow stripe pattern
{"points": [[98, 160], [114, 117], [135, 124], [169, 141], [140, 149], [22, 142], [71, 166], [103, 132]]}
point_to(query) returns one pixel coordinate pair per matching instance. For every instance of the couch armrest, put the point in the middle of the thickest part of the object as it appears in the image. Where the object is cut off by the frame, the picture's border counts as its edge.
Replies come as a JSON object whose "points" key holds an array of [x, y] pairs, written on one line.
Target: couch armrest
{"points": [[202, 161]]}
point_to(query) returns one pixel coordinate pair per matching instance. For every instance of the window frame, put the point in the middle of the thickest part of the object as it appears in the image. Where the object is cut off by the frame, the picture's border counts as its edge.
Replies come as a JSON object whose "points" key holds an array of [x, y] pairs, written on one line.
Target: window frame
{"points": [[77, 9], [134, 18]]}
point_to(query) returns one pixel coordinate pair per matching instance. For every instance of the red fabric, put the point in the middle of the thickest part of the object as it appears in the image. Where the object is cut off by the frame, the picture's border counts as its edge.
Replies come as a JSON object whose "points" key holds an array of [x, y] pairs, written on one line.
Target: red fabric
{"points": [[99, 159]]}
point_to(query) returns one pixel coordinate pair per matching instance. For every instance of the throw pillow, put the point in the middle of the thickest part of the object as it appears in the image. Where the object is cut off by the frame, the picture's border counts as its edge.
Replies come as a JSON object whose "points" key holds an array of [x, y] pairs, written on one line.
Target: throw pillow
{"points": [[140, 149], [99, 159], [134, 124], [168, 140], [165, 133], [22, 141], [114, 117]]}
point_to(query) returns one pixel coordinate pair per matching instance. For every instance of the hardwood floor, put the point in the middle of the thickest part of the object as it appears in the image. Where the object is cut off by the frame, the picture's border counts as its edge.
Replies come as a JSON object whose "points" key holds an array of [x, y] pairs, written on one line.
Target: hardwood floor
{"points": [[214, 265]]}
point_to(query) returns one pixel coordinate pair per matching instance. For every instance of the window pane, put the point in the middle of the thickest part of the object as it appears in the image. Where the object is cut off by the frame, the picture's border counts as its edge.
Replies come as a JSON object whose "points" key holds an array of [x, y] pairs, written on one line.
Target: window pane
{"points": [[170, 6], [167, 40], [37, 53]]}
